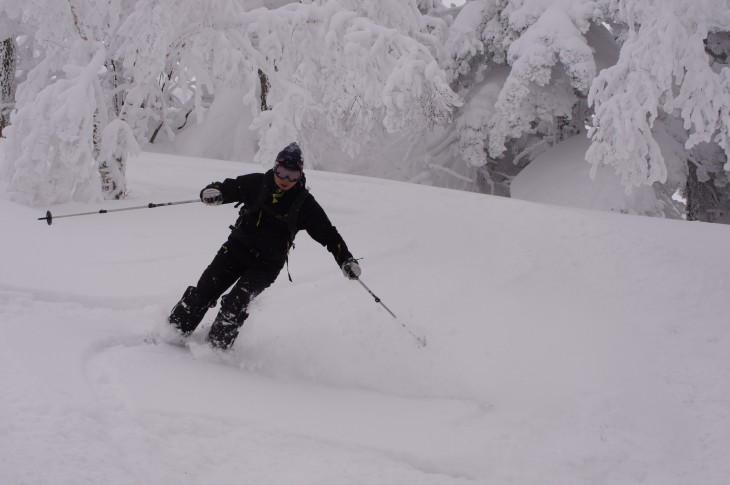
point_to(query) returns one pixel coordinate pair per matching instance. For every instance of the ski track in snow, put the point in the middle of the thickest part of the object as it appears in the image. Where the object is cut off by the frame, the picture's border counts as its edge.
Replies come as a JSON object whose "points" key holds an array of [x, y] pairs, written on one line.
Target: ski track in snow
{"points": [[300, 410], [267, 415]]}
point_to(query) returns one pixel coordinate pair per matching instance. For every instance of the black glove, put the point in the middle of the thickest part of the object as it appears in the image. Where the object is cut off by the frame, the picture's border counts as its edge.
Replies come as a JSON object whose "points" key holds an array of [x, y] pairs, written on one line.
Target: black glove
{"points": [[211, 194], [351, 269]]}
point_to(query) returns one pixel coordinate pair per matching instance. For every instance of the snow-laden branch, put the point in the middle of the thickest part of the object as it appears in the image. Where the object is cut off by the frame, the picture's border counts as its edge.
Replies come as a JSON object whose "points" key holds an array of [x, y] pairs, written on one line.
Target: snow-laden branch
{"points": [[356, 69], [555, 42], [663, 67]]}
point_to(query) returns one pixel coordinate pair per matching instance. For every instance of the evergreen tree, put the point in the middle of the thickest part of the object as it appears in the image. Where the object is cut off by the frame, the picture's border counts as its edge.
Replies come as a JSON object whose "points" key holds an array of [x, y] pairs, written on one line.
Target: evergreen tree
{"points": [[534, 73], [524, 68], [684, 75]]}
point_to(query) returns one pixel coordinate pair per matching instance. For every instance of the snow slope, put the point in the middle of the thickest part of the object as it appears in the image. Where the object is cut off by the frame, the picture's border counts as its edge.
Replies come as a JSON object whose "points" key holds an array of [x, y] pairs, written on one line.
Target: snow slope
{"points": [[565, 346]]}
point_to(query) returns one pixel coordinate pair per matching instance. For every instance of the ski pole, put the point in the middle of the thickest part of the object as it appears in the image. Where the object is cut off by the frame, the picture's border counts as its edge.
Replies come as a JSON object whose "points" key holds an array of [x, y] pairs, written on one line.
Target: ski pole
{"points": [[420, 340], [49, 217]]}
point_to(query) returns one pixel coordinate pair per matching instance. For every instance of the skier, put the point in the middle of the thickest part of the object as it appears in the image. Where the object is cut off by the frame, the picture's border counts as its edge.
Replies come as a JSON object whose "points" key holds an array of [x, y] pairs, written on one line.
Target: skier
{"points": [[276, 205]]}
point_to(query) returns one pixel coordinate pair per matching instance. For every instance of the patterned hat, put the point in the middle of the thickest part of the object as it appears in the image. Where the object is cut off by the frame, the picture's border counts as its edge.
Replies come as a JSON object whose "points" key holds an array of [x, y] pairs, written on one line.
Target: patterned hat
{"points": [[291, 157]]}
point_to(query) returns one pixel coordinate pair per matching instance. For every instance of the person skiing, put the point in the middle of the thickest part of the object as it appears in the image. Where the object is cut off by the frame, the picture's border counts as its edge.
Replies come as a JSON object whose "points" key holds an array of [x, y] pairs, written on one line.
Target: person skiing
{"points": [[276, 206]]}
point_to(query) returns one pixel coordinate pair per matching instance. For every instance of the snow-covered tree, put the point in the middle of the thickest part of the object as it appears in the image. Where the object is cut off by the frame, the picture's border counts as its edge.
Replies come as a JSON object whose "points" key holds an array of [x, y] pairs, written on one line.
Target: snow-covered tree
{"points": [[551, 65], [53, 152], [524, 68], [672, 76], [354, 68], [350, 67], [534, 72], [673, 63], [708, 182], [62, 111], [482, 89], [175, 53]]}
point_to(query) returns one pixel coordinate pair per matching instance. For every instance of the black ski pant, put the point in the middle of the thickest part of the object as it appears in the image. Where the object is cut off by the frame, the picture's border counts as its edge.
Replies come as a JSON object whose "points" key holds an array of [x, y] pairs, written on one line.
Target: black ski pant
{"points": [[233, 265]]}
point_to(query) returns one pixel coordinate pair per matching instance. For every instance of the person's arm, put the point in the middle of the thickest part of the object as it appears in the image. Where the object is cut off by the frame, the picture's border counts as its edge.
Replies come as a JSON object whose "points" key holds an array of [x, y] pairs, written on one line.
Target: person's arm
{"points": [[319, 228], [240, 189]]}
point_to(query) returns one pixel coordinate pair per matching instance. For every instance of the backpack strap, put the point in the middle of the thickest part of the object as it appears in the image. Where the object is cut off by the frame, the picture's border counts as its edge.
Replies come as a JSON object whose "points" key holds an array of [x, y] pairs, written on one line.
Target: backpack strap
{"points": [[258, 203], [293, 215], [289, 219]]}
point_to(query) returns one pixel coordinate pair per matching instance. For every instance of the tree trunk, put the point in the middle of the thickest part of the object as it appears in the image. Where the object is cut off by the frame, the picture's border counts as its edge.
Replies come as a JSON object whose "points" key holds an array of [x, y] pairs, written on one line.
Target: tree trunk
{"points": [[112, 191], [701, 197], [8, 63], [117, 102], [109, 183], [265, 86]]}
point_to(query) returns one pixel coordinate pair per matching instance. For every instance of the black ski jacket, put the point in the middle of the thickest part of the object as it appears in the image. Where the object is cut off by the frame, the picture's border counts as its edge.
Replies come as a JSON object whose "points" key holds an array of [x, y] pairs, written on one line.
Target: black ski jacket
{"points": [[263, 226]]}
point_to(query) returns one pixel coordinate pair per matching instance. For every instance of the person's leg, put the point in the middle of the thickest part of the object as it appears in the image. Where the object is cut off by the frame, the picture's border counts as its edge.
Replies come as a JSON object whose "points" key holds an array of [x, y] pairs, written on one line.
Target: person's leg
{"points": [[234, 305], [220, 274]]}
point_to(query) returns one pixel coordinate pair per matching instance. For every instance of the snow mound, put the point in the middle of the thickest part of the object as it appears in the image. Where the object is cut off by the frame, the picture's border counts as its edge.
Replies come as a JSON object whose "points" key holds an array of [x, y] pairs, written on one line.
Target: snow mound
{"points": [[561, 176]]}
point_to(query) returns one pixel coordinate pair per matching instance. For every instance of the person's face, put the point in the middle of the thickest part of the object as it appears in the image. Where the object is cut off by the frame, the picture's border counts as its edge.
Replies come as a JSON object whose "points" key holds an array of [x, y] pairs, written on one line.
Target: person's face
{"points": [[286, 178]]}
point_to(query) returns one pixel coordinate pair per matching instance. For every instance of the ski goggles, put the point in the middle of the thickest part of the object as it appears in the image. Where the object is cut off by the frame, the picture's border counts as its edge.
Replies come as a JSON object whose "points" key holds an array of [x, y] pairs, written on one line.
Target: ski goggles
{"points": [[287, 173]]}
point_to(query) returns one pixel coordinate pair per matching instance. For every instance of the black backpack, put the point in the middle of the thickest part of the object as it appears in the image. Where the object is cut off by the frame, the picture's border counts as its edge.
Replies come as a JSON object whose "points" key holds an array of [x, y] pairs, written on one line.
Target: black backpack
{"points": [[289, 219]]}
